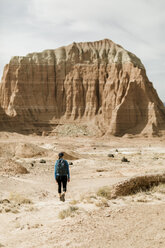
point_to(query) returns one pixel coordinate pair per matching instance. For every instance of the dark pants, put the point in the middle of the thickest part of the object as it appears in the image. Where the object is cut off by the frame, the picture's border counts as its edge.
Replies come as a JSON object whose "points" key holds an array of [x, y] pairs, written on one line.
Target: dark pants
{"points": [[61, 180]]}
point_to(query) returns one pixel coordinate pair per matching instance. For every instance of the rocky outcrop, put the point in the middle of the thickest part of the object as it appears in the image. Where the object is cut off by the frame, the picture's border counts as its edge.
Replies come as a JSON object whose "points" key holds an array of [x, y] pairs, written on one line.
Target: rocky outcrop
{"points": [[4, 120], [92, 81]]}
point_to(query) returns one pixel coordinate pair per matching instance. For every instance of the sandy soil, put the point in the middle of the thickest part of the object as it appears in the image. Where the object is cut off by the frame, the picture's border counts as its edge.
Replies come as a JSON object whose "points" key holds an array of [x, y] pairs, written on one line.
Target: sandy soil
{"points": [[32, 216]]}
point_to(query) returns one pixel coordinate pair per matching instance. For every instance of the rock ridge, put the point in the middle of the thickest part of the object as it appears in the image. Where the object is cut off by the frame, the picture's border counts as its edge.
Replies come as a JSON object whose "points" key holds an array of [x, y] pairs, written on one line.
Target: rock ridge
{"points": [[85, 82], [103, 51]]}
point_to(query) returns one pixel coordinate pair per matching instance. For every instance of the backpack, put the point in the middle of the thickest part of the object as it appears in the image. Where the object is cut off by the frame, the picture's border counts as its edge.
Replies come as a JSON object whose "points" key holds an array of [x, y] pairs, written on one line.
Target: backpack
{"points": [[61, 168]]}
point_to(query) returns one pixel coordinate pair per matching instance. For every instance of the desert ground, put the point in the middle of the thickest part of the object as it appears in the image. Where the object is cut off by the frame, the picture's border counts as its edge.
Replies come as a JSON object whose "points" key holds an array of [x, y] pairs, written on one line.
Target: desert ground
{"points": [[32, 216]]}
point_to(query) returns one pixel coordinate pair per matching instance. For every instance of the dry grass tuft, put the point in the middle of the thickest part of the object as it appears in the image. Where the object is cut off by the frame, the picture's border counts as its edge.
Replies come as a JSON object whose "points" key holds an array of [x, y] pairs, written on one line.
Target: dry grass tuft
{"points": [[87, 198], [102, 203], [141, 198], [14, 211], [67, 212], [105, 192], [31, 209], [73, 202], [19, 199], [159, 188]]}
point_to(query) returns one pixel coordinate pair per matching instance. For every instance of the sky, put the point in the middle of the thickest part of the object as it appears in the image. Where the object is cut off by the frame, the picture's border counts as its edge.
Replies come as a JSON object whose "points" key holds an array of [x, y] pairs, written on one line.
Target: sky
{"points": [[36, 25]]}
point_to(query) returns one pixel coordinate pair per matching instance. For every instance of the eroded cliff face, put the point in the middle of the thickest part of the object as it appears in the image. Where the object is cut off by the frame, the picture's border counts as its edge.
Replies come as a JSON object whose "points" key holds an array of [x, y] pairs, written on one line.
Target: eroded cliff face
{"points": [[83, 82]]}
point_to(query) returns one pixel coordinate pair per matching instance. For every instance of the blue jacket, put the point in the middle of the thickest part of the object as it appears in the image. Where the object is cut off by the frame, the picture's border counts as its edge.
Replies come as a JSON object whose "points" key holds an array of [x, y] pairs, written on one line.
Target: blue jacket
{"points": [[55, 169]]}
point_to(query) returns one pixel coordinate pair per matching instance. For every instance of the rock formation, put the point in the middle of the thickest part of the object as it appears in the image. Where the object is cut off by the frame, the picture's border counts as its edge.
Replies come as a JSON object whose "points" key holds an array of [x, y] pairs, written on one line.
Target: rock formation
{"points": [[91, 81]]}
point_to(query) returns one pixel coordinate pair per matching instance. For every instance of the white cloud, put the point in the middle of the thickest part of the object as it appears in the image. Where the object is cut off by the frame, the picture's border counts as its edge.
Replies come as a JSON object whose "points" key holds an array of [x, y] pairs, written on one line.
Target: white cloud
{"points": [[35, 25]]}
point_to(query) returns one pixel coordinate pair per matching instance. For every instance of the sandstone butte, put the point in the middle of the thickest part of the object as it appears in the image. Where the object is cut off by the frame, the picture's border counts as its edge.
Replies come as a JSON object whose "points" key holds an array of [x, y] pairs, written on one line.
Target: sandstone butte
{"points": [[96, 83]]}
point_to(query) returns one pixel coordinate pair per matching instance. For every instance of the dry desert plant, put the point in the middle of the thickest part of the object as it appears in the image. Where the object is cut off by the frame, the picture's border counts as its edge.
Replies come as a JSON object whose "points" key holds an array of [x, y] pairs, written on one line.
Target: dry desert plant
{"points": [[73, 202], [88, 198], [67, 212], [159, 188], [142, 199], [19, 199], [102, 203], [138, 184], [104, 192], [31, 209]]}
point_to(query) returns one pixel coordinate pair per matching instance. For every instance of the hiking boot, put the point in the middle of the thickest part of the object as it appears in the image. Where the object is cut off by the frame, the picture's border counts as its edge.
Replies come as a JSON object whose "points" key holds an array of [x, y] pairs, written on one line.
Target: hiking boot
{"points": [[62, 197]]}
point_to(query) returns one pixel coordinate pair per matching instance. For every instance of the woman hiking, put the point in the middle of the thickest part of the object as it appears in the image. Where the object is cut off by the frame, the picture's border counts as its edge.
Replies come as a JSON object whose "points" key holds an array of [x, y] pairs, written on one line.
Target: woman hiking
{"points": [[62, 175]]}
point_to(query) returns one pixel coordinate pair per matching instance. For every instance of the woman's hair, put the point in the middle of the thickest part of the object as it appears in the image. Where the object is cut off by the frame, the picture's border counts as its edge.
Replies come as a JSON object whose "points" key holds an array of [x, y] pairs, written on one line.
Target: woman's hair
{"points": [[61, 154]]}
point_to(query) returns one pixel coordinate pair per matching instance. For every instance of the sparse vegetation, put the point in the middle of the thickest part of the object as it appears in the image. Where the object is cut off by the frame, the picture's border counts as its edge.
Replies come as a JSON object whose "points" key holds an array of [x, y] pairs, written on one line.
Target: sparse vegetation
{"points": [[142, 199], [31, 209], [13, 204], [102, 203], [14, 211], [104, 192], [159, 188], [67, 212], [88, 198], [73, 202], [19, 199]]}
